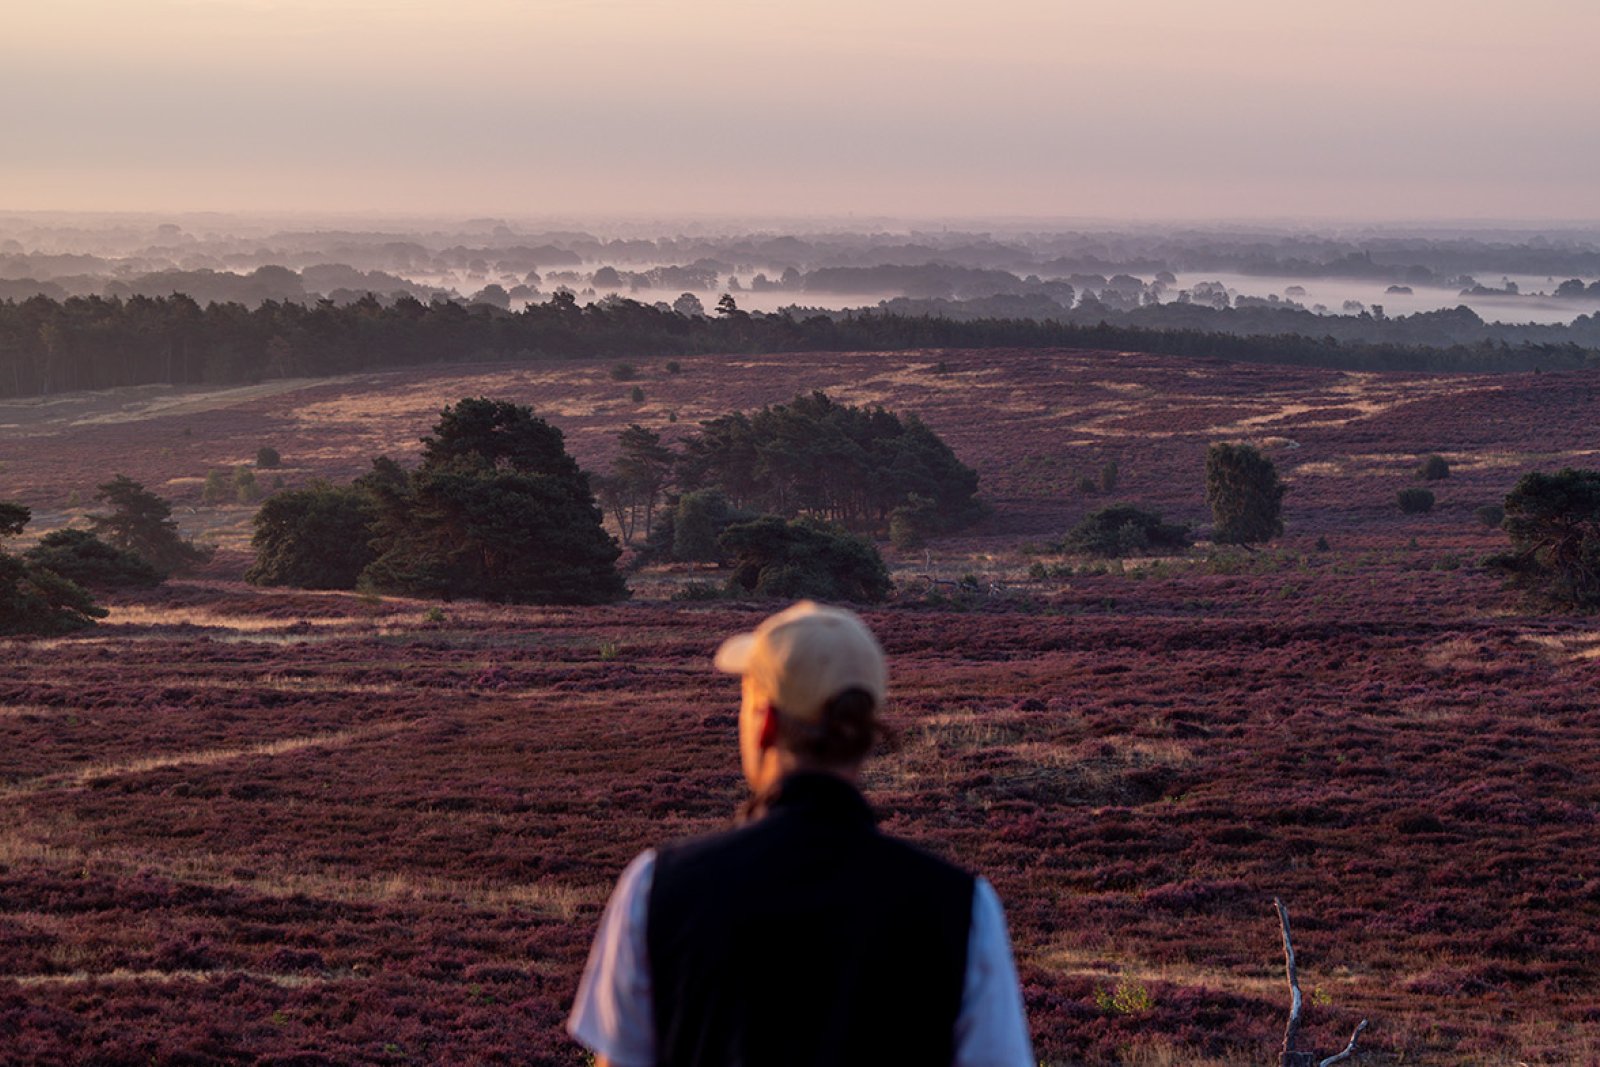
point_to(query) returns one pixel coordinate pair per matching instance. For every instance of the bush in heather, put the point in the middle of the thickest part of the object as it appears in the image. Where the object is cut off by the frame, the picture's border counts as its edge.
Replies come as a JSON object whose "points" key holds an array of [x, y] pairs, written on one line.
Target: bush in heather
{"points": [[1124, 530], [33, 599], [1245, 494], [776, 558], [81, 557], [1415, 501], [1491, 515], [313, 538], [498, 510], [1433, 469], [267, 458], [912, 523], [141, 522], [1553, 521]]}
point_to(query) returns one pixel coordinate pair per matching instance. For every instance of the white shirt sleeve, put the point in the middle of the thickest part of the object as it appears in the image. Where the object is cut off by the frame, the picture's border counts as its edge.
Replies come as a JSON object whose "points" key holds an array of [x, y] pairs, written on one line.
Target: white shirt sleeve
{"points": [[613, 1014], [992, 1030]]}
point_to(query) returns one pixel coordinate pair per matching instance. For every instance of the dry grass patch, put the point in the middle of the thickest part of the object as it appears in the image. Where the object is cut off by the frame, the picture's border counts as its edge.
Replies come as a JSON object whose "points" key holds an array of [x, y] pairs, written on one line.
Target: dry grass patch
{"points": [[120, 974], [208, 757], [281, 879]]}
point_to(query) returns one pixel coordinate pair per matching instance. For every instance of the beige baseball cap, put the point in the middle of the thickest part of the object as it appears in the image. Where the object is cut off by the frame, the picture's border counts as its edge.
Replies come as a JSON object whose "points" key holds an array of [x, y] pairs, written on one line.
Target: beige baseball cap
{"points": [[805, 656]]}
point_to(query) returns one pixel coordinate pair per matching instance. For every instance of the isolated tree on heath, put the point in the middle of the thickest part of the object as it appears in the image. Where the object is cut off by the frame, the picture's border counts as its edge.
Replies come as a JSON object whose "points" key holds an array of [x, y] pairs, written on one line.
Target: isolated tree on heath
{"points": [[1553, 521], [141, 522], [1245, 495]]}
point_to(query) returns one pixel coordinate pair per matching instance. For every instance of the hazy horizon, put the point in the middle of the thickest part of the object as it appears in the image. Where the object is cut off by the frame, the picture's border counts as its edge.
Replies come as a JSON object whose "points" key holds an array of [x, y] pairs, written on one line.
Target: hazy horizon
{"points": [[1017, 110]]}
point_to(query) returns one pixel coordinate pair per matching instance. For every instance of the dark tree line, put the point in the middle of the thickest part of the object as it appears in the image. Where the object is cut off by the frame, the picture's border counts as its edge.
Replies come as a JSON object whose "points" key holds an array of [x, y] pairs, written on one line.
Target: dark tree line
{"points": [[49, 346]]}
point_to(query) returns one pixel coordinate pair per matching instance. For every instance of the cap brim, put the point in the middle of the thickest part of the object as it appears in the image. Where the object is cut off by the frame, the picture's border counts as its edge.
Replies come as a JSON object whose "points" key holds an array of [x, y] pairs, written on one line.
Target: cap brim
{"points": [[734, 655]]}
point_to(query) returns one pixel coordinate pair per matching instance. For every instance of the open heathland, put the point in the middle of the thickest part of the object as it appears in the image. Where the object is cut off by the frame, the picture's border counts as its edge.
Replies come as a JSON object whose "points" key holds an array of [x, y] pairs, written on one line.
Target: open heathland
{"points": [[247, 825]]}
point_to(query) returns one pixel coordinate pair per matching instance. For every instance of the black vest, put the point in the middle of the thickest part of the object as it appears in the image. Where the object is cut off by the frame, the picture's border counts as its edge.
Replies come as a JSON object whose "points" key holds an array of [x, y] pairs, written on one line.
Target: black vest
{"points": [[806, 938]]}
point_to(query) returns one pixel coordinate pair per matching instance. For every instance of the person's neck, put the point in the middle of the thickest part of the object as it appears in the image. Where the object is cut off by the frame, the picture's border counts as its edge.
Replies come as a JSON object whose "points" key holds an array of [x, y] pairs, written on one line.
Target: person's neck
{"points": [[776, 766]]}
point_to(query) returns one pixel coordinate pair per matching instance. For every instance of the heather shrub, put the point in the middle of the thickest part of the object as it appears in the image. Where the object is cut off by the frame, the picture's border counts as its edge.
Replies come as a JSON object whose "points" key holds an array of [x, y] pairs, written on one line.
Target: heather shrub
{"points": [[772, 557], [1433, 469], [1415, 501], [1124, 530]]}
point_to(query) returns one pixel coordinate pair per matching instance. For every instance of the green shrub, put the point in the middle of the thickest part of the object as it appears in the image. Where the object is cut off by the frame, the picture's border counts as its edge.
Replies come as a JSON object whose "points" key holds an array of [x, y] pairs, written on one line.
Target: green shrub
{"points": [[498, 510], [1109, 475], [699, 591], [1433, 469], [1245, 495], [1415, 501], [141, 522], [245, 489], [636, 394], [81, 557], [1129, 998], [674, 367], [1553, 521], [1491, 515], [312, 538], [267, 458], [216, 488], [36, 601], [912, 523], [775, 558], [693, 526], [1123, 530], [624, 372]]}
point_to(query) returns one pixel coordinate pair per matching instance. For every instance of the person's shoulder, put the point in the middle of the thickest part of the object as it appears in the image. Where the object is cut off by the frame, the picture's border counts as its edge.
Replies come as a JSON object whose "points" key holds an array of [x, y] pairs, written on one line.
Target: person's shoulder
{"points": [[690, 850], [925, 862]]}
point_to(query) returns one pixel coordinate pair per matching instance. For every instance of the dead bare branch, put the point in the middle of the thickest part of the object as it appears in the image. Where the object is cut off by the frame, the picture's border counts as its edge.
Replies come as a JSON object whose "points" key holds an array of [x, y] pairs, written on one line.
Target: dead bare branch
{"points": [[1291, 1057], [1296, 1004], [1349, 1050]]}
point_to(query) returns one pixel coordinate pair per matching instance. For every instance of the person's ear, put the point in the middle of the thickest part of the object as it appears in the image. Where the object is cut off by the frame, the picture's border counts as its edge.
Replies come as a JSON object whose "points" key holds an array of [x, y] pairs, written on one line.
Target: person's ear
{"points": [[767, 733]]}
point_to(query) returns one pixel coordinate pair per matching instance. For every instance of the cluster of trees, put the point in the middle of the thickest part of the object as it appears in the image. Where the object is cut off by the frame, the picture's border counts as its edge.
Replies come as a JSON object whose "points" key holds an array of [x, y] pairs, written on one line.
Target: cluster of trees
{"points": [[496, 510], [49, 346], [860, 468], [135, 544]]}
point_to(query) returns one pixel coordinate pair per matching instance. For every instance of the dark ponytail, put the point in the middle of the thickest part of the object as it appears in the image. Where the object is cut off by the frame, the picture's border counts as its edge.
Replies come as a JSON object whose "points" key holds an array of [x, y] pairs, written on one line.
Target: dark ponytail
{"points": [[848, 728]]}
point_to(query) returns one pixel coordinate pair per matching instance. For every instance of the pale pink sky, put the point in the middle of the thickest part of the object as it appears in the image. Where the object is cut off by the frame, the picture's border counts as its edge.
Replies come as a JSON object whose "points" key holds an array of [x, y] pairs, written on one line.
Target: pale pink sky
{"points": [[1413, 109]]}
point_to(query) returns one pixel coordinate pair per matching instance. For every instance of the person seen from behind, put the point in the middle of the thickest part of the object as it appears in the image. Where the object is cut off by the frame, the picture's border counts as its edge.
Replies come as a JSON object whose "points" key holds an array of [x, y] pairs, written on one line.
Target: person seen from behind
{"points": [[804, 936]]}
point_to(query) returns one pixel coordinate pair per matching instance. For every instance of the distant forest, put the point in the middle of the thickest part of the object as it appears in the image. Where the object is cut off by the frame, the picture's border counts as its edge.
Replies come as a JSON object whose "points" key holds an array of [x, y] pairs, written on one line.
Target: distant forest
{"points": [[50, 346]]}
